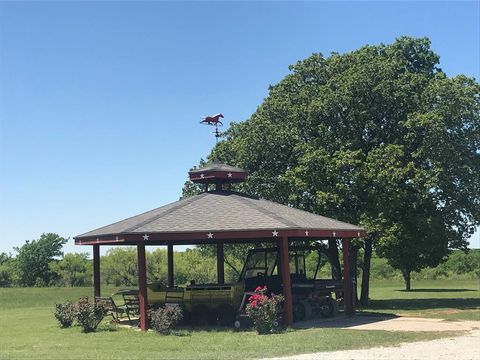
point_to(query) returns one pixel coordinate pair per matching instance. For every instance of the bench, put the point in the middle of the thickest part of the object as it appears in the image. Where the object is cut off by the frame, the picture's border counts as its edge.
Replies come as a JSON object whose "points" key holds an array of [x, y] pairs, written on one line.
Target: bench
{"points": [[117, 312], [132, 304]]}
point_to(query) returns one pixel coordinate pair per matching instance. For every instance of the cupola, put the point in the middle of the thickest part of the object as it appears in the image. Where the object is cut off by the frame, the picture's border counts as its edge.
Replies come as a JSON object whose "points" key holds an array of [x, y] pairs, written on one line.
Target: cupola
{"points": [[218, 174]]}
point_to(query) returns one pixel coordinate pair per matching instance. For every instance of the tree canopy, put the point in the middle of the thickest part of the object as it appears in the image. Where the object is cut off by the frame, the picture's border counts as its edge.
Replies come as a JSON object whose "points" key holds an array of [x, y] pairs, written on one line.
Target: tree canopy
{"points": [[380, 137], [34, 257], [75, 269]]}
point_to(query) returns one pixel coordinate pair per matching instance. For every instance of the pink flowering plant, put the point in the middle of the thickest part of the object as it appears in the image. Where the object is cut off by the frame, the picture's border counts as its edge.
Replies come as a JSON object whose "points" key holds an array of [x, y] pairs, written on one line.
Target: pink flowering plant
{"points": [[265, 311]]}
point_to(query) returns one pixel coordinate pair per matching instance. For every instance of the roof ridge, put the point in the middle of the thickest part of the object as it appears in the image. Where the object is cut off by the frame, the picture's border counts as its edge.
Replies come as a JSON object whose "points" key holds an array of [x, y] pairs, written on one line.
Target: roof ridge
{"points": [[180, 203], [271, 214]]}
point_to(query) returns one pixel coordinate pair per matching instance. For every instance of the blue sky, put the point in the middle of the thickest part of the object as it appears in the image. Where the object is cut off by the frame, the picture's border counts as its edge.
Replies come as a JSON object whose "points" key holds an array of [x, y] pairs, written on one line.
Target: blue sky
{"points": [[100, 102]]}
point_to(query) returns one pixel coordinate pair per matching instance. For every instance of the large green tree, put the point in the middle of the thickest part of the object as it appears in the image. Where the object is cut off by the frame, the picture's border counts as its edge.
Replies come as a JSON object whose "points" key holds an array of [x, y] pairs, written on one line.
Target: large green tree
{"points": [[33, 259], [380, 137]]}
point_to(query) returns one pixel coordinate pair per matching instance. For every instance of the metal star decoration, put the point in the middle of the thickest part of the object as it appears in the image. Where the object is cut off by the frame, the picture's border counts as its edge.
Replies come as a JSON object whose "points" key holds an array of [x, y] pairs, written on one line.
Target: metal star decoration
{"points": [[229, 174], [145, 237], [274, 233], [202, 175], [334, 234], [306, 232], [210, 235]]}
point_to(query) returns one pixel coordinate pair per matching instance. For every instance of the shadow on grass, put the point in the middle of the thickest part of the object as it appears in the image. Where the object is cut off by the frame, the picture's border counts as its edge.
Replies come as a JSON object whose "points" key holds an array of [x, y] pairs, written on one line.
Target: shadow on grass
{"points": [[384, 316], [107, 328], [211, 329], [180, 333], [189, 330], [423, 304], [436, 290]]}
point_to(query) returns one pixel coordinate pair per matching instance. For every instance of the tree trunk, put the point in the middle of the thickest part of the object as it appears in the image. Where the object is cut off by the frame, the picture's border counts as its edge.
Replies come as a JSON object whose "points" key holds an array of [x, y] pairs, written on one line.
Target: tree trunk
{"points": [[230, 265], [336, 269], [366, 271], [406, 276], [354, 270], [333, 251]]}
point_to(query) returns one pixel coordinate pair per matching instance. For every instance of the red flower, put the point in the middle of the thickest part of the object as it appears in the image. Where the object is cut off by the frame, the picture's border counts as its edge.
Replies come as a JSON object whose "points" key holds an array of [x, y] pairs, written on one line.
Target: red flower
{"points": [[253, 297], [258, 288], [253, 303]]}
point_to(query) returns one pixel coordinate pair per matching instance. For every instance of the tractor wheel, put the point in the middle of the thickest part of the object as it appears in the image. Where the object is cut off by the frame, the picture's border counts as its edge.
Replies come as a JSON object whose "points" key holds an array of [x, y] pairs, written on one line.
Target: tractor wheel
{"points": [[308, 309], [185, 316], [302, 310], [225, 315], [329, 308], [201, 315], [237, 324]]}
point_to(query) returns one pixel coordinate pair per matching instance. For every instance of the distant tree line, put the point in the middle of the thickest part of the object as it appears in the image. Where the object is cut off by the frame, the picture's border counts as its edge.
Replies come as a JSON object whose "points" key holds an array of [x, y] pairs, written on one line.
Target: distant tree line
{"points": [[41, 263], [460, 265]]}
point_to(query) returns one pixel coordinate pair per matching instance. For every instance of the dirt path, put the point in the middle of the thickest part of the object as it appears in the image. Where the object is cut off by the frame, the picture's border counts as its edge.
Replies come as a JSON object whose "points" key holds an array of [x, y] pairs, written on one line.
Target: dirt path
{"points": [[389, 323], [417, 324], [464, 347]]}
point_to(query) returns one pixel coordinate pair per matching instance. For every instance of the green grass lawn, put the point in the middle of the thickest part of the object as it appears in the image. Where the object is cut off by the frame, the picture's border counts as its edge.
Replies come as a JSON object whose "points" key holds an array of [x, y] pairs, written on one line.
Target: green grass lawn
{"points": [[28, 329], [445, 299]]}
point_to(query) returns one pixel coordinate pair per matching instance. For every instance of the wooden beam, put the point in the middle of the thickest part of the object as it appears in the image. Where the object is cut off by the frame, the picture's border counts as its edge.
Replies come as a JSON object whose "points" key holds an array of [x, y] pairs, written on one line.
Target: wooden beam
{"points": [[206, 237], [96, 270], [170, 264], [220, 264], [142, 286], [286, 280], [347, 279]]}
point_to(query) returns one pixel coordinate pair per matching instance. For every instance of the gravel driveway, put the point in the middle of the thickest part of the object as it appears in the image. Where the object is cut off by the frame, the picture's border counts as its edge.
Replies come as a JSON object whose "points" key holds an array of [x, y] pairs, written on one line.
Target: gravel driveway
{"points": [[464, 347]]}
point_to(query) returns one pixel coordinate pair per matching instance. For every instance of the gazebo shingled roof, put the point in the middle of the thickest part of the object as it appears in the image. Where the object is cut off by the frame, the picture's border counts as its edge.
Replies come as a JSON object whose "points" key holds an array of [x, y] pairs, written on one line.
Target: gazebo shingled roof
{"points": [[217, 212]]}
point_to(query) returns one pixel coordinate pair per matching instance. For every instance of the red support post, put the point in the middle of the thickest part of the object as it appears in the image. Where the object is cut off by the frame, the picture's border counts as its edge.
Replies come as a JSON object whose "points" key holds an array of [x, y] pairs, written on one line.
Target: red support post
{"points": [[142, 285], [286, 281], [96, 270], [220, 264], [170, 264], [347, 279]]}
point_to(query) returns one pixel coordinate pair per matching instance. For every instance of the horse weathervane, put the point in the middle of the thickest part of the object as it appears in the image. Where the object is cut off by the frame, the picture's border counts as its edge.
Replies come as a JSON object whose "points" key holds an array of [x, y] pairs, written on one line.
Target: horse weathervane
{"points": [[213, 120]]}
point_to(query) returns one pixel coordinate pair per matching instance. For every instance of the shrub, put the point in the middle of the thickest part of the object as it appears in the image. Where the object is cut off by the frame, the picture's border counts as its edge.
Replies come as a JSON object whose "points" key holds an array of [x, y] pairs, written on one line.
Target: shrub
{"points": [[65, 314], [89, 314], [265, 311], [165, 318]]}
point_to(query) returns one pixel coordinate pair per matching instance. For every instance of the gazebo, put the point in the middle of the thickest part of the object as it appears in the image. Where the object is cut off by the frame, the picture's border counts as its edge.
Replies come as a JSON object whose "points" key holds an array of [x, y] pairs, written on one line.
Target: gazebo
{"points": [[218, 217]]}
